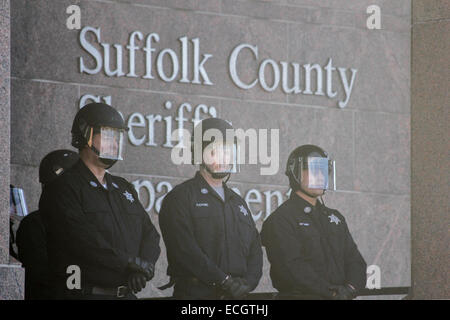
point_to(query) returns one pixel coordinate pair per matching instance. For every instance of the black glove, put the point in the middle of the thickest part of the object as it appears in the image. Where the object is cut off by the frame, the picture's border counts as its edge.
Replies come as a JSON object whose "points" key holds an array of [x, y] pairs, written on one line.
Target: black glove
{"points": [[136, 282], [245, 287], [235, 287], [343, 292], [137, 264]]}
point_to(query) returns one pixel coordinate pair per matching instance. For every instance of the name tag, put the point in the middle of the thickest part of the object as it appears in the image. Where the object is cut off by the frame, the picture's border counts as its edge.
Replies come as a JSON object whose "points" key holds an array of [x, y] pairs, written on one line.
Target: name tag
{"points": [[305, 224], [201, 204]]}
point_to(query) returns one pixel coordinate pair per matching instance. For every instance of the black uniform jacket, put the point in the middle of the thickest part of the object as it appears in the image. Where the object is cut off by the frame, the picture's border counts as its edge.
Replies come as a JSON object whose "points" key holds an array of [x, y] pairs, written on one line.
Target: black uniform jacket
{"points": [[207, 238], [32, 246], [310, 248], [95, 228]]}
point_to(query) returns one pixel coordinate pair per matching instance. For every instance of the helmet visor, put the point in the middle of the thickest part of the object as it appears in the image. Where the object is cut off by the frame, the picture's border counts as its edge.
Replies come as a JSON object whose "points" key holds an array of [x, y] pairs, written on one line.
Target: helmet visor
{"points": [[318, 173], [110, 143], [221, 158]]}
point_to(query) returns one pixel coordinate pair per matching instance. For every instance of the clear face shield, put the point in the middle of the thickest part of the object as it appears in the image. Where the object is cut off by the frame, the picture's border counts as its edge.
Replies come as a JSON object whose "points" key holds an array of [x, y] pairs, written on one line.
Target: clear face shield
{"points": [[107, 142], [221, 158], [317, 173]]}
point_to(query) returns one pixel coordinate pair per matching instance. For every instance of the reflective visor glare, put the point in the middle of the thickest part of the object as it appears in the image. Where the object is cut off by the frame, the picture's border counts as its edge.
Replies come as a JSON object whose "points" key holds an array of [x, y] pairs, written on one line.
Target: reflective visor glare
{"points": [[222, 158], [111, 143], [316, 172], [236, 159]]}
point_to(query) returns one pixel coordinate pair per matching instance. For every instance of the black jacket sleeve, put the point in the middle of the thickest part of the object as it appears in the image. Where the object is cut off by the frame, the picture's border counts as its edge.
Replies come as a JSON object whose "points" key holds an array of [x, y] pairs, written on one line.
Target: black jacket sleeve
{"points": [[61, 210], [31, 242], [283, 246], [254, 261], [177, 231], [255, 257], [355, 266], [149, 248]]}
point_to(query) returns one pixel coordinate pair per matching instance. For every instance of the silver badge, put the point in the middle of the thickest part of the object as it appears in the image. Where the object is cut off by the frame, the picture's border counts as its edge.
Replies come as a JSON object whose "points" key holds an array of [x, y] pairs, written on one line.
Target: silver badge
{"points": [[93, 184], [115, 185], [129, 196], [204, 191], [334, 219], [307, 209], [243, 210]]}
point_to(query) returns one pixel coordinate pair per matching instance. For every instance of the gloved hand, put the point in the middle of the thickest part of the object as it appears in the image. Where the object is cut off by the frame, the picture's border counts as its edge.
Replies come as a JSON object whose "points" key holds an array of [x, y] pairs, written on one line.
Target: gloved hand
{"points": [[137, 264], [245, 287], [235, 287], [136, 282], [343, 292]]}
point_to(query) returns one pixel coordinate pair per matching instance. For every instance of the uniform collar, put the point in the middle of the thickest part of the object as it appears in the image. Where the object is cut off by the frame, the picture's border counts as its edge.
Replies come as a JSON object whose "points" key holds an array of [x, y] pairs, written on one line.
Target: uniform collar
{"points": [[301, 204], [90, 178], [203, 184]]}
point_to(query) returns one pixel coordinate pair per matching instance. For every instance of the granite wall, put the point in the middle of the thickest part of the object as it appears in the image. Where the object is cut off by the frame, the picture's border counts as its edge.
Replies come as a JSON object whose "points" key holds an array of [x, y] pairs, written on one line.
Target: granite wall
{"points": [[11, 273], [369, 137], [430, 145], [4, 130]]}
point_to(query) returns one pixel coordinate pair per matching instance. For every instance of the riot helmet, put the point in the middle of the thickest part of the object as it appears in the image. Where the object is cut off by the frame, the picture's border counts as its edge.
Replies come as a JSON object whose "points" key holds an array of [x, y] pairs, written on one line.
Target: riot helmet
{"points": [[55, 163], [309, 166], [214, 147], [100, 127]]}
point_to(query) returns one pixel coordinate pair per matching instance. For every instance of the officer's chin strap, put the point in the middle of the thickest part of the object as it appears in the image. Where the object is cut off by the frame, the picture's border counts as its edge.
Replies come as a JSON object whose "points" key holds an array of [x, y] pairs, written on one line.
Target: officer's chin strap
{"points": [[307, 193], [300, 184], [325, 209], [108, 162], [216, 175], [228, 178], [94, 149]]}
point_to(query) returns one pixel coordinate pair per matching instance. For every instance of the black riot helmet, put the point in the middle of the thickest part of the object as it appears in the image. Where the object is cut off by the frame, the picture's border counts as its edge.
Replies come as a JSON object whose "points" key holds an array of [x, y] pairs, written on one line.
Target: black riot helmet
{"points": [[310, 164], [100, 118], [216, 137], [55, 163]]}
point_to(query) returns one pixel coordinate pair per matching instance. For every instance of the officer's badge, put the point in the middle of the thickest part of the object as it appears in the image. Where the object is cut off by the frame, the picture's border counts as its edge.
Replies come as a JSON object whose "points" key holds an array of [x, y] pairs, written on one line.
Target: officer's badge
{"points": [[307, 209], [204, 191], [115, 185], [334, 219], [129, 196], [92, 183], [243, 210]]}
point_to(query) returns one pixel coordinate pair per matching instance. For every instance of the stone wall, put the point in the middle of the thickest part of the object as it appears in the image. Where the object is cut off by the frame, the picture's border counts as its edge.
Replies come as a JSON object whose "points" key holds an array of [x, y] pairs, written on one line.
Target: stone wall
{"points": [[429, 146], [11, 274]]}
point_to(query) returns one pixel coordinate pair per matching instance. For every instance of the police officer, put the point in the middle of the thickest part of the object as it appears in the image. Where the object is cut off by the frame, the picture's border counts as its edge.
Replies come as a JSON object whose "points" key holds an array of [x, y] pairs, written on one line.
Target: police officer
{"points": [[31, 236], [213, 246], [94, 220], [309, 246]]}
